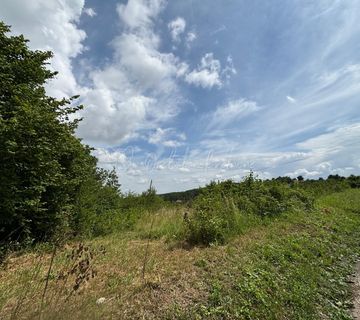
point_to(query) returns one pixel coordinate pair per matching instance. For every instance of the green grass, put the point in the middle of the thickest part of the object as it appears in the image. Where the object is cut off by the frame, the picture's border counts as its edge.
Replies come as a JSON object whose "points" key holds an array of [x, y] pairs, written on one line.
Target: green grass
{"points": [[167, 223], [298, 272], [291, 266]]}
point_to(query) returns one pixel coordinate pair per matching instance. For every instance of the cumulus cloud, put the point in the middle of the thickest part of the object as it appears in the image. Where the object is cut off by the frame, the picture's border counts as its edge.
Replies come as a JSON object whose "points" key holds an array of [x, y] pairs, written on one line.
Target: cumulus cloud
{"points": [[108, 121], [177, 27], [139, 13], [327, 89], [109, 157], [125, 95], [149, 94], [210, 73], [137, 89], [143, 63], [207, 75], [50, 25]]}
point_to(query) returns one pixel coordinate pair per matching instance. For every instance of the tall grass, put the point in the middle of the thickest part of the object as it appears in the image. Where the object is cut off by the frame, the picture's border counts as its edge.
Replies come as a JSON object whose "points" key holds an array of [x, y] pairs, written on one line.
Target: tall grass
{"points": [[167, 223]]}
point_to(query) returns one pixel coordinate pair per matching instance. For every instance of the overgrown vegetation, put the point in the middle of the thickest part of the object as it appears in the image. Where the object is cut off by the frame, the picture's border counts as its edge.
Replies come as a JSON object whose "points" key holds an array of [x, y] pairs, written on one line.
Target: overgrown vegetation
{"points": [[221, 209], [289, 266]]}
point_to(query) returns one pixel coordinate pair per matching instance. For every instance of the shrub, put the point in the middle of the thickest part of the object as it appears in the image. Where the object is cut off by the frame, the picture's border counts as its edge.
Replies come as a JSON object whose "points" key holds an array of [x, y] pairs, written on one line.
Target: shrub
{"points": [[213, 221], [221, 210]]}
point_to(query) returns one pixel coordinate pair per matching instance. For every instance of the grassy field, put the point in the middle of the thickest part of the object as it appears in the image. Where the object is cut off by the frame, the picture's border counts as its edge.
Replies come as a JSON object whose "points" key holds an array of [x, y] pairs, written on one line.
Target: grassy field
{"points": [[291, 266]]}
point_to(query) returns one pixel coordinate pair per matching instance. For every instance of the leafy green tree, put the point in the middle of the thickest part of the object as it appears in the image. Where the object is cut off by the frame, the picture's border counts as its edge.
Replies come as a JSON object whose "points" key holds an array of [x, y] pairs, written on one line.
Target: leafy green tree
{"points": [[43, 166]]}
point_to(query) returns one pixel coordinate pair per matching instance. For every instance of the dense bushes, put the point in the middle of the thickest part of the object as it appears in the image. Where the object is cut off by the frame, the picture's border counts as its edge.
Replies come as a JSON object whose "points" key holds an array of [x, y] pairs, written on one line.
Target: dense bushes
{"points": [[220, 208]]}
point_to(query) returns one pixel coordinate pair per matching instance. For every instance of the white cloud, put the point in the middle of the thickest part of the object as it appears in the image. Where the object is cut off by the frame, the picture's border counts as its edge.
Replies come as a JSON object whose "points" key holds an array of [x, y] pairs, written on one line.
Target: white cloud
{"points": [[177, 27], [340, 147], [137, 89], [303, 172], [167, 137], [329, 98], [143, 181], [144, 64], [337, 151], [207, 75], [172, 143], [50, 25], [210, 73], [109, 157], [335, 140], [134, 91], [139, 13], [158, 136], [182, 69], [228, 165], [290, 99], [108, 121], [90, 12], [233, 111], [190, 37], [327, 88]]}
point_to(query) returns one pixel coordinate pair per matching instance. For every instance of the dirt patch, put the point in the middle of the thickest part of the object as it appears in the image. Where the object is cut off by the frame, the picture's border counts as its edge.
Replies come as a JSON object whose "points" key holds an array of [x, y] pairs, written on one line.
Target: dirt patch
{"points": [[356, 291]]}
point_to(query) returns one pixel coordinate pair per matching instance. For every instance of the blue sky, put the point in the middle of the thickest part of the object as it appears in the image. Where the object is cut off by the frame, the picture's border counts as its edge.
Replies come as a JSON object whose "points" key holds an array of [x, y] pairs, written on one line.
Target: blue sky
{"points": [[185, 92]]}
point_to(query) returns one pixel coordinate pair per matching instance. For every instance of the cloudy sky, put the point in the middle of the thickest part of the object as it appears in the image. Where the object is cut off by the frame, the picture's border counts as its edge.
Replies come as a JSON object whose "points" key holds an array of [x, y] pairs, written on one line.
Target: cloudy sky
{"points": [[184, 92]]}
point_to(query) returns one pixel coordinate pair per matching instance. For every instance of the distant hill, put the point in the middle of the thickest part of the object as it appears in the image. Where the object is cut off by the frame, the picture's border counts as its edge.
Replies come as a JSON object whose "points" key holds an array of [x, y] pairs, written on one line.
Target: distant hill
{"points": [[183, 196]]}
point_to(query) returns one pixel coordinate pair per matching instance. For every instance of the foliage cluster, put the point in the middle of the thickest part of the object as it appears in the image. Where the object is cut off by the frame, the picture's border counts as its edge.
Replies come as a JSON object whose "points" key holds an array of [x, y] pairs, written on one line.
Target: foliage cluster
{"points": [[49, 182], [219, 209]]}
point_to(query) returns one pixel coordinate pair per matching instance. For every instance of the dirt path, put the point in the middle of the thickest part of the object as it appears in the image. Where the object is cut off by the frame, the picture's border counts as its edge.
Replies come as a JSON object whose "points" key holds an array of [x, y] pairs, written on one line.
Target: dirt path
{"points": [[356, 288]]}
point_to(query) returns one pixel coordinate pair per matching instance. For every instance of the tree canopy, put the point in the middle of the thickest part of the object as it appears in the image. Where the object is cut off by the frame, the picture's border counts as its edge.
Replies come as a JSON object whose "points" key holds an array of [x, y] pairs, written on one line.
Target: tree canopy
{"points": [[44, 167]]}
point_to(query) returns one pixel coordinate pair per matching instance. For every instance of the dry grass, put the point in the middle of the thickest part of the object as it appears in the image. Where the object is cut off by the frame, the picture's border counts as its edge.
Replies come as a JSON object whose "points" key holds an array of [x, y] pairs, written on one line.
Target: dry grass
{"points": [[173, 279]]}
